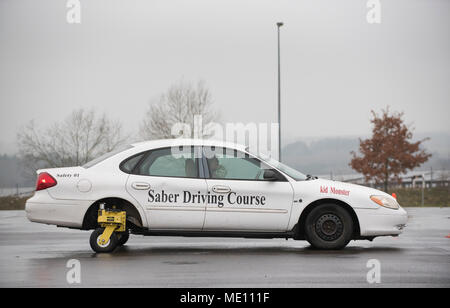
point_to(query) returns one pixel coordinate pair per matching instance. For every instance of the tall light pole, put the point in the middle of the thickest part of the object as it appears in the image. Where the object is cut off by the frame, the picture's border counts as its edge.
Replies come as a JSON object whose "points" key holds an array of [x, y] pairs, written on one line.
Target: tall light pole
{"points": [[279, 25]]}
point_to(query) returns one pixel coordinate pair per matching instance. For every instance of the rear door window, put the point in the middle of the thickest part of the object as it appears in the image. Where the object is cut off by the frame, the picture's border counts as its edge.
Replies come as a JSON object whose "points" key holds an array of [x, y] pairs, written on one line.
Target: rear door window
{"points": [[163, 162]]}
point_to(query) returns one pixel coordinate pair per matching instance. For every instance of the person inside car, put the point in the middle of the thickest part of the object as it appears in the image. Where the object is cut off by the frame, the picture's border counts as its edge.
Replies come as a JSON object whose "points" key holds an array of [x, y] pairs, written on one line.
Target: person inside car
{"points": [[217, 170]]}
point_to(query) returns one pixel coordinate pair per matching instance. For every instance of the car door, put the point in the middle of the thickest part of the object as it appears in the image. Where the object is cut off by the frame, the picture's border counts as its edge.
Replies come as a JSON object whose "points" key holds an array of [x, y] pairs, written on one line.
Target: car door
{"points": [[164, 182], [240, 197]]}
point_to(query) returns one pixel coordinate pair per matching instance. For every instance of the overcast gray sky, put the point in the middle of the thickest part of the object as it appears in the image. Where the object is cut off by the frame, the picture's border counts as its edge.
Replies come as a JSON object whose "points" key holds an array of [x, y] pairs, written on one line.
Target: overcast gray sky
{"points": [[335, 66]]}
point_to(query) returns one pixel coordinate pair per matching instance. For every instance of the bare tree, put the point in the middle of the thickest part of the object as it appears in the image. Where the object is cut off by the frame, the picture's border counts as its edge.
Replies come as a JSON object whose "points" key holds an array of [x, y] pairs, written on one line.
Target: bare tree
{"points": [[81, 137], [179, 104]]}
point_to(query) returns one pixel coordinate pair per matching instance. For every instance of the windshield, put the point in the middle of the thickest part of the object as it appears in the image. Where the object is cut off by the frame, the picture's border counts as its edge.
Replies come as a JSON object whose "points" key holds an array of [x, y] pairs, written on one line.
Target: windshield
{"points": [[296, 175], [101, 158]]}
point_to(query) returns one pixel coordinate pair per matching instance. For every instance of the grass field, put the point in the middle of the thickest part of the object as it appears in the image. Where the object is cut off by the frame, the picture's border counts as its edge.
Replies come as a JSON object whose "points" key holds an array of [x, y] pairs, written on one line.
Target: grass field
{"points": [[13, 203], [412, 197], [433, 197]]}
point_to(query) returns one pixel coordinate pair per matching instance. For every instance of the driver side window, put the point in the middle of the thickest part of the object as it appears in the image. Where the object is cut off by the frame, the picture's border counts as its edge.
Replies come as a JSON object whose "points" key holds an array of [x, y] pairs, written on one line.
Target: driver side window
{"points": [[234, 165]]}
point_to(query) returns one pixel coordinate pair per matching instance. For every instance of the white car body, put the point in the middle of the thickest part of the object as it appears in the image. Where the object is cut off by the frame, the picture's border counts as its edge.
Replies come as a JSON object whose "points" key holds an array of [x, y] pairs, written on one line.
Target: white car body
{"points": [[78, 189]]}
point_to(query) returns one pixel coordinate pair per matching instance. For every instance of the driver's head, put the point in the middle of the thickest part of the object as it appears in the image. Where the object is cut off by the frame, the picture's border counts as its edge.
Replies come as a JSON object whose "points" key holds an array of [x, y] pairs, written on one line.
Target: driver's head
{"points": [[213, 163]]}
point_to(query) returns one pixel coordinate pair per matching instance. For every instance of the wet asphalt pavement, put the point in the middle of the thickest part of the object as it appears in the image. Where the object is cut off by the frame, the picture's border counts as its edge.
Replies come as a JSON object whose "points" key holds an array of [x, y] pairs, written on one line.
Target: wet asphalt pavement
{"points": [[35, 255]]}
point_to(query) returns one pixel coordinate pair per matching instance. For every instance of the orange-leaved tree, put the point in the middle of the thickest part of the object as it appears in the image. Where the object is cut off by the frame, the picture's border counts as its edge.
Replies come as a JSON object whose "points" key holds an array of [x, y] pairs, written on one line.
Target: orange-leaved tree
{"points": [[390, 151]]}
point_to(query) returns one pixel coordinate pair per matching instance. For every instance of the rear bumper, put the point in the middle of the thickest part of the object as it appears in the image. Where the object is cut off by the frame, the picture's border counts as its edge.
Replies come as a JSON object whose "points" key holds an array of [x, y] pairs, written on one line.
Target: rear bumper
{"points": [[65, 213], [381, 221]]}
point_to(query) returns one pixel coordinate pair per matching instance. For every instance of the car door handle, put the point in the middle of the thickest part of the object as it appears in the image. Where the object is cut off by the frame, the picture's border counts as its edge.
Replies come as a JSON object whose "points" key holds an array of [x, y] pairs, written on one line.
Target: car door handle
{"points": [[140, 185], [220, 189]]}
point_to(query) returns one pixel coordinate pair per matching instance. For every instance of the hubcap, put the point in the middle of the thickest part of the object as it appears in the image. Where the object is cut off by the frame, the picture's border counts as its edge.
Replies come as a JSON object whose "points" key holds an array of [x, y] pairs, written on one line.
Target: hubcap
{"points": [[99, 243], [329, 227]]}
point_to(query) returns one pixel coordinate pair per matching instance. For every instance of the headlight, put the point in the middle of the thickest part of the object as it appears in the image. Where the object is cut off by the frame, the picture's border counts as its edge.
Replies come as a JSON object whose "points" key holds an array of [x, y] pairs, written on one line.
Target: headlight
{"points": [[385, 201]]}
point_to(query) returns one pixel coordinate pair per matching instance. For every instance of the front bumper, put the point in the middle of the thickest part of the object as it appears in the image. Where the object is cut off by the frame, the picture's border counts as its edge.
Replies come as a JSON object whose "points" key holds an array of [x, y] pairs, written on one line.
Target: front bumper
{"points": [[381, 221]]}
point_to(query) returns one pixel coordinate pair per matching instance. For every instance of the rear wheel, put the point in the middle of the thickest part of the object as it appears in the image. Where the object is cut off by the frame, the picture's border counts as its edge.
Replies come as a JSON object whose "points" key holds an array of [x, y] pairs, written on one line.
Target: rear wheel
{"points": [[108, 246], [329, 226], [123, 238]]}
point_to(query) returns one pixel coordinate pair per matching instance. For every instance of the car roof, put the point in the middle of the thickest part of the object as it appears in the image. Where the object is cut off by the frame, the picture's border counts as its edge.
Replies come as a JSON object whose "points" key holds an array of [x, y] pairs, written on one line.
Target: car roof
{"points": [[161, 143]]}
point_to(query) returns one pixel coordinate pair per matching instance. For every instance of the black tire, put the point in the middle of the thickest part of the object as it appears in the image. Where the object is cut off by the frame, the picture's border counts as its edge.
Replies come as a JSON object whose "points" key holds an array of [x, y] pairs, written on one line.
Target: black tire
{"points": [[109, 247], [329, 227], [123, 238]]}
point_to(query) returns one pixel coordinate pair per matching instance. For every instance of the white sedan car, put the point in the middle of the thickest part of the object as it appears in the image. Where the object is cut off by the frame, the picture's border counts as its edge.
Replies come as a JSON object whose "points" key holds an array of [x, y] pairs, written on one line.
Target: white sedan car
{"points": [[208, 188]]}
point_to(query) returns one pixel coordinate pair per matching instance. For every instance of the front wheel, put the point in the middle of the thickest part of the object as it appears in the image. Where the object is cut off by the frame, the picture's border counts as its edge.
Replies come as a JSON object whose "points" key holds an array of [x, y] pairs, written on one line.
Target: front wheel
{"points": [[329, 227], [107, 247]]}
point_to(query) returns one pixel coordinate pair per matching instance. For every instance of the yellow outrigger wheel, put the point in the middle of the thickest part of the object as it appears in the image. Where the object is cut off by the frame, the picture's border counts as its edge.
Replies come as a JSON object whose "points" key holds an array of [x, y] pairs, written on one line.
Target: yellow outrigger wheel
{"points": [[112, 222]]}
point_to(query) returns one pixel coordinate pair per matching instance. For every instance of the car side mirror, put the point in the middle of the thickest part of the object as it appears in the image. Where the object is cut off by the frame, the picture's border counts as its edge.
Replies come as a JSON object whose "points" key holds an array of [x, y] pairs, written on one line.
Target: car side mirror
{"points": [[271, 175]]}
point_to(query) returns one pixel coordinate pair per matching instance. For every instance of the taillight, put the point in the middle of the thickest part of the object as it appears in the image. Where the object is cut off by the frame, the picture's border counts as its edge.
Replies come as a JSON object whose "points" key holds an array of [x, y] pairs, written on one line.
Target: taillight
{"points": [[45, 181]]}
